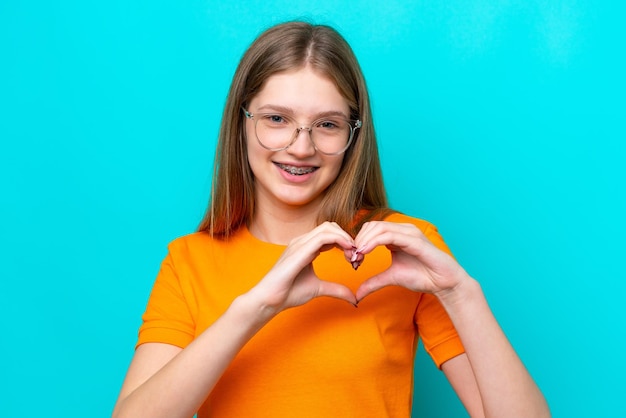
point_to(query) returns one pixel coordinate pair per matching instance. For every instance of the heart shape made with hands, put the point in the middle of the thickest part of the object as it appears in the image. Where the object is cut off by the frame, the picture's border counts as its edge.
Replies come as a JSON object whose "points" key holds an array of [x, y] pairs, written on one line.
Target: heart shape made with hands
{"points": [[416, 263]]}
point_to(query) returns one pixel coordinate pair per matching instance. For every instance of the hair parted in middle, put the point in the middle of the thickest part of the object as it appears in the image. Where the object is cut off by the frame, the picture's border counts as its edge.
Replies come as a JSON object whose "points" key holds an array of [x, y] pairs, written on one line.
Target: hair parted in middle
{"points": [[287, 47]]}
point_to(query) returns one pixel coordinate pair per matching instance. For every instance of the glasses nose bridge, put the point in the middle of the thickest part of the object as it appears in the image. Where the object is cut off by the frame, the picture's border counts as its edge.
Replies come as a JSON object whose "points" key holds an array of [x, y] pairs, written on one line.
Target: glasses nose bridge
{"points": [[296, 133], [309, 129]]}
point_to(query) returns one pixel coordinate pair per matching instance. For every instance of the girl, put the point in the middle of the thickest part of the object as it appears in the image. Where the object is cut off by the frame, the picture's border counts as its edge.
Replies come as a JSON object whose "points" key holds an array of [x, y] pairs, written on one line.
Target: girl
{"points": [[303, 294]]}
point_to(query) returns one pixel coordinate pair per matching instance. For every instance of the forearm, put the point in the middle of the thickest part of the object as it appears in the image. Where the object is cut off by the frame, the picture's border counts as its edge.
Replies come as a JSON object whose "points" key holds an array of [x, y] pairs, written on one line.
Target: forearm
{"points": [[180, 387], [506, 387]]}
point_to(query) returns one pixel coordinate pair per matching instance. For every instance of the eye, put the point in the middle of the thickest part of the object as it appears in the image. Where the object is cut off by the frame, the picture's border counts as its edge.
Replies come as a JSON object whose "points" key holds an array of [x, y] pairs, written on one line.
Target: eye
{"points": [[328, 124], [274, 119]]}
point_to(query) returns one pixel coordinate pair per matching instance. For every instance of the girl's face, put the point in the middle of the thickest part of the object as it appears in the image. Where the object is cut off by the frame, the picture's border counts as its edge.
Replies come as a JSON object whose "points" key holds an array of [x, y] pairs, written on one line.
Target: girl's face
{"points": [[299, 175]]}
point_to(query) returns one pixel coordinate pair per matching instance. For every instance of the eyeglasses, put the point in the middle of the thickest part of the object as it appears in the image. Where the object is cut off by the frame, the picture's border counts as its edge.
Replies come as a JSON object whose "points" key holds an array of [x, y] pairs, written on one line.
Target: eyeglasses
{"points": [[330, 135]]}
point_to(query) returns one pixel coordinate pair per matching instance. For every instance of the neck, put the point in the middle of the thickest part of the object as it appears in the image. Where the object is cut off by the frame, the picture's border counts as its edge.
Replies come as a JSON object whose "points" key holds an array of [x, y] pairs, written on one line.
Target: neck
{"points": [[283, 225]]}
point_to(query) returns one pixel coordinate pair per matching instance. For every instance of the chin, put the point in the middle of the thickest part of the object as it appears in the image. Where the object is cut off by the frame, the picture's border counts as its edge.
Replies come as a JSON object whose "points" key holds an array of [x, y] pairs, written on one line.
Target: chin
{"points": [[298, 201]]}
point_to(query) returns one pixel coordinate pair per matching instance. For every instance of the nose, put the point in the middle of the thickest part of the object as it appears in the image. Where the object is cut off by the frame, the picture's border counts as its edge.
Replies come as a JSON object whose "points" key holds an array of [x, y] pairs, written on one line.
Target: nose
{"points": [[302, 148]]}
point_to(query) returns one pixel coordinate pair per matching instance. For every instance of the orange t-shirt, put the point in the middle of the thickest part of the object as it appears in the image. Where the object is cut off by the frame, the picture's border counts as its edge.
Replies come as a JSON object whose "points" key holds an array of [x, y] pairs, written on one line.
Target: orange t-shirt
{"points": [[322, 359]]}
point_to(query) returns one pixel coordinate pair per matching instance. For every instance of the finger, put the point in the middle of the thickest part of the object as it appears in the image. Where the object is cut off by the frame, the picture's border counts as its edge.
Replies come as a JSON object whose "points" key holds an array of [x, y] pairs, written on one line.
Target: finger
{"points": [[351, 255], [373, 284], [392, 235], [364, 241], [324, 237], [336, 290], [364, 231], [374, 236], [332, 235]]}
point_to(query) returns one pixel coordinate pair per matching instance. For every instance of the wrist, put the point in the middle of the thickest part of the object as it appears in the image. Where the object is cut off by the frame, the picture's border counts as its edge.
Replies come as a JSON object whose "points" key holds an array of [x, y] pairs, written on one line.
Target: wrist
{"points": [[463, 292], [255, 307]]}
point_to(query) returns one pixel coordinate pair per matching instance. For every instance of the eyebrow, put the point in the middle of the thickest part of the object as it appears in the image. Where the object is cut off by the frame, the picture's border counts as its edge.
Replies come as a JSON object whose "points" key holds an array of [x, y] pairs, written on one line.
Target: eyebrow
{"points": [[290, 111]]}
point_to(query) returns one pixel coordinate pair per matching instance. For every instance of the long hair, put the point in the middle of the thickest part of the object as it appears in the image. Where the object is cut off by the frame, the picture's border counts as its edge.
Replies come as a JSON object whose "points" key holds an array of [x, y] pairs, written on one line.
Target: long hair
{"points": [[358, 188]]}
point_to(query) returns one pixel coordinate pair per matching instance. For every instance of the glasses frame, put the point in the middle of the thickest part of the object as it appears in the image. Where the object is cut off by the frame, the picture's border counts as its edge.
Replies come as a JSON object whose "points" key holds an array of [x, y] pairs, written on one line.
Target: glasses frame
{"points": [[353, 124]]}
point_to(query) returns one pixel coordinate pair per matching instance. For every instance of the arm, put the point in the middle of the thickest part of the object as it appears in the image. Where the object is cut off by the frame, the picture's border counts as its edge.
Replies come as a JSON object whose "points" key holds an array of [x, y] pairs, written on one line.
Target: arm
{"points": [[459, 373], [505, 387], [167, 381]]}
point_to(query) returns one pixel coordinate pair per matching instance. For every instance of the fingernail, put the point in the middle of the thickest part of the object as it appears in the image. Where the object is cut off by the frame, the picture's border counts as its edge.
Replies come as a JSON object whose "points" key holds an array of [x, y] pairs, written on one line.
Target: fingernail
{"points": [[355, 255]]}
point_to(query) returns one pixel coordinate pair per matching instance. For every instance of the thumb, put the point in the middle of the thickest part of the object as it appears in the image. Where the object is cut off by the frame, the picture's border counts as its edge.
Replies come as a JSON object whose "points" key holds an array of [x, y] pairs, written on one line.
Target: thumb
{"points": [[373, 284], [337, 291]]}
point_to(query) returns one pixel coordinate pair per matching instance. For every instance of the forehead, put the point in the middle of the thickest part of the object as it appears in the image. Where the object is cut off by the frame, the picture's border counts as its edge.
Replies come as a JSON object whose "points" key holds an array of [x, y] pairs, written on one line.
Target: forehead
{"points": [[305, 91]]}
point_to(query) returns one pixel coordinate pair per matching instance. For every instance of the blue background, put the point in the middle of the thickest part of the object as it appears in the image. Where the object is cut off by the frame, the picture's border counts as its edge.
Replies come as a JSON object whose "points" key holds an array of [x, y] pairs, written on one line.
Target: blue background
{"points": [[502, 122]]}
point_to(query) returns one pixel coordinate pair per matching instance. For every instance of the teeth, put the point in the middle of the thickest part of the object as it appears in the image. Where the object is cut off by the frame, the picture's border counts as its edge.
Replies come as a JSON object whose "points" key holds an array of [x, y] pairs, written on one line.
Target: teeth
{"points": [[296, 171]]}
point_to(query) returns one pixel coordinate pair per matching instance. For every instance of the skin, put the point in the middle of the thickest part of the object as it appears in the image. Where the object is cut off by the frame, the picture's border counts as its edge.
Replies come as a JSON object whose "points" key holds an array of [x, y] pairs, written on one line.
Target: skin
{"points": [[167, 381]]}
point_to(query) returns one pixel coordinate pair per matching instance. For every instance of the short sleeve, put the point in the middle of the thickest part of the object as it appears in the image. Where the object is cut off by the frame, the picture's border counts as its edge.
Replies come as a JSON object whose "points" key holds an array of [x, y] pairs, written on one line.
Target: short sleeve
{"points": [[167, 318], [435, 328]]}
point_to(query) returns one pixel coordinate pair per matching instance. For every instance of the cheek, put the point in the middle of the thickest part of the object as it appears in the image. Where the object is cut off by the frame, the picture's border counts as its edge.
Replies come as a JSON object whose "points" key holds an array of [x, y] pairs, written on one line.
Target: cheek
{"points": [[336, 168], [256, 155]]}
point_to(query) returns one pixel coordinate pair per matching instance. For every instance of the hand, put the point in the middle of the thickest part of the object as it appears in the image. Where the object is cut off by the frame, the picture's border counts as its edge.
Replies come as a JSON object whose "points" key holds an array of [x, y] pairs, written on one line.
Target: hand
{"points": [[293, 282], [416, 263]]}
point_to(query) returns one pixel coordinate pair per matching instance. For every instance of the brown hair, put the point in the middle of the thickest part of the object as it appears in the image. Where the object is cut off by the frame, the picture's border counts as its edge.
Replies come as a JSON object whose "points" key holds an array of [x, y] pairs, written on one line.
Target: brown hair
{"points": [[358, 188]]}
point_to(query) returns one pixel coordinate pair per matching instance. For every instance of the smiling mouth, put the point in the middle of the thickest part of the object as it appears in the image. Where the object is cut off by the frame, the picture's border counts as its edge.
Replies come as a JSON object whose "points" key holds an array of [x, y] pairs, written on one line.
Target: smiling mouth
{"points": [[296, 171]]}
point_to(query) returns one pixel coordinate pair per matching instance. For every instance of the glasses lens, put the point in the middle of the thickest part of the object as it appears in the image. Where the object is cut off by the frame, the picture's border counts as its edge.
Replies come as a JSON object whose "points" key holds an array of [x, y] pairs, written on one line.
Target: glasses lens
{"points": [[274, 131], [331, 135]]}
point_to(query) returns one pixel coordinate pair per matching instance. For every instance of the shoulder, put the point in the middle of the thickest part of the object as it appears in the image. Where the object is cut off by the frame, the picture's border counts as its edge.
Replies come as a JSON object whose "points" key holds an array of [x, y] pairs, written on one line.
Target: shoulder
{"points": [[401, 218], [201, 246], [197, 245], [190, 242]]}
